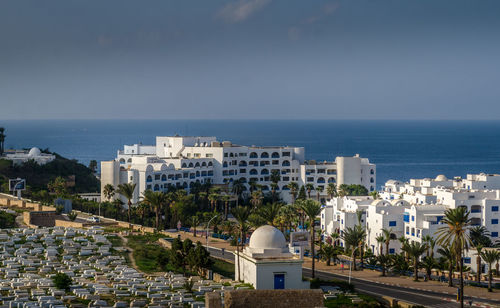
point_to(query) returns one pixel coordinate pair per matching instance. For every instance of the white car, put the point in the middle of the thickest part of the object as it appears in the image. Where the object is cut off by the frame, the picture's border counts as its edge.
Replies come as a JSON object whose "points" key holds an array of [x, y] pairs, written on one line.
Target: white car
{"points": [[94, 219]]}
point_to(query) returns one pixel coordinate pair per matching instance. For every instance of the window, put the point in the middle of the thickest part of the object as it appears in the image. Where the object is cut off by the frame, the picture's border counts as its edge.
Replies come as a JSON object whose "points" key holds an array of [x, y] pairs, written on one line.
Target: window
{"points": [[467, 260], [494, 208], [392, 223], [286, 154], [494, 221], [406, 217], [209, 155], [391, 251], [494, 234], [412, 218]]}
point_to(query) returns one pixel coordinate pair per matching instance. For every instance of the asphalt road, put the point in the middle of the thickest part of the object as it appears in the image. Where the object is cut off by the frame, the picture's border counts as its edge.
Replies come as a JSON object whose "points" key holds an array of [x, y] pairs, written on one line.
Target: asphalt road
{"points": [[416, 297]]}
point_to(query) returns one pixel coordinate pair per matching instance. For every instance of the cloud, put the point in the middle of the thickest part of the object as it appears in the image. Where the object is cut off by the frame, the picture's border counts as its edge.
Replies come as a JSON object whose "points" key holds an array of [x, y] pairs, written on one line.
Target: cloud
{"points": [[241, 10], [295, 32]]}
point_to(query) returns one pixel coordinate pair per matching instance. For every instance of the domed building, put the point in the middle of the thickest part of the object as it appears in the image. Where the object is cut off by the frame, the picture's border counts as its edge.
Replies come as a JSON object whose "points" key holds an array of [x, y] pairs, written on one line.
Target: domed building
{"points": [[19, 157], [267, 262]]}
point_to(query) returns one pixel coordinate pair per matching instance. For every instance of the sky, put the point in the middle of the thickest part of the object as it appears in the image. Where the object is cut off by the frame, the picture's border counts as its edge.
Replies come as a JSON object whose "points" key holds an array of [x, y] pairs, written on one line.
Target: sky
{"points": [[250, 59]]}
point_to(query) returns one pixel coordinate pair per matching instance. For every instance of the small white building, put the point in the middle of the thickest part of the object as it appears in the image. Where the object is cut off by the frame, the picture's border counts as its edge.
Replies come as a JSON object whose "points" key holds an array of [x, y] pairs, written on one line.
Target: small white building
{"points": [[19, 157], [268, 264]]}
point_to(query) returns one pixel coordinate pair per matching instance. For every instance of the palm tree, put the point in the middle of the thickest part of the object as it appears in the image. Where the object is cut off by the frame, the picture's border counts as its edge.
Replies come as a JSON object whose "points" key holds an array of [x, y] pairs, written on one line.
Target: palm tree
{"points": [[117, 204], [275, 178], [142, 209], [384, 261], [386, 233], [238, 189], [241, 214], [213, 198], [331, 190], [428, 263], [195, 221], [479, 235], [404, 246], [269, 212], [352, 237], [256, 198], [127, 191], [479, 248], [343, 190], [319, 191], [312, 209], [294, 189], [309, 188], [380, 240], [375, 195], [415, 250], [156, 200], [448, 255], [490, 256], [454, 235], [225, 199], [431, 243], [108, 191], [329, 252], [335, 237]]}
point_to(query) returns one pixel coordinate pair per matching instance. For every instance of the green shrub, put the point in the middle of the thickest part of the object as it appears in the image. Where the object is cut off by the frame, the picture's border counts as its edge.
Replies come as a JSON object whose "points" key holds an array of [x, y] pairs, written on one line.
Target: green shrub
{"points": [[62, 281]]}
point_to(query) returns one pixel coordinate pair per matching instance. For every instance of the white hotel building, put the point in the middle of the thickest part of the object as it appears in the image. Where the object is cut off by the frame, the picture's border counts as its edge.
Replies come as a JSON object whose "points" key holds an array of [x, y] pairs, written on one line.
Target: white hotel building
{"points": [[182, 161], [415, 209]]}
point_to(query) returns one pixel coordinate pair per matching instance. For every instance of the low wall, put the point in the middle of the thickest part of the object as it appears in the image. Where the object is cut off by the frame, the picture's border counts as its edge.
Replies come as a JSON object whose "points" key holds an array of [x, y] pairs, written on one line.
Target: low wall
{"points": [[4, 201], [41, 219], [70, 224], [273, 298]]}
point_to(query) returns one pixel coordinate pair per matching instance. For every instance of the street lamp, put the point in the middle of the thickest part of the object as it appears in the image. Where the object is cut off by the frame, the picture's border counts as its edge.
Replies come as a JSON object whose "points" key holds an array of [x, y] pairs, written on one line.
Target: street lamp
{"points": [[208, 224]]}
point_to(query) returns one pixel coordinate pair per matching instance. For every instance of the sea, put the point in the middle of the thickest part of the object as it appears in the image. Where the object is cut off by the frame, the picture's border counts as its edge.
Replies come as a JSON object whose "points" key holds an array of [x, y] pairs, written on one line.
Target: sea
{"points": [[401, 149]]}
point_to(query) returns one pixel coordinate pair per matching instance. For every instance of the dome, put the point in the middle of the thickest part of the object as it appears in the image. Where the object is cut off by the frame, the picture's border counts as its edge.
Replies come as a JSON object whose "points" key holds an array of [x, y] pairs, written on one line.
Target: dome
{"points": [[441, 177], [34, 152], [267, 237]]}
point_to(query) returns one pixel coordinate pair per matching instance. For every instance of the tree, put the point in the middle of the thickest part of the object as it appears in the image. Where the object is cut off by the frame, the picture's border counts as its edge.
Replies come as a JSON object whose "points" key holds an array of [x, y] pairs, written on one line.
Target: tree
{"points": [[352, 237], [213, 198], [319, 191], [380, 240], [93, 165], [415, 250], [448, 255], [331, 190], [312, 209], [237, 189], [62, 281], [127, 191], [309, 188], [195, 221], [294, 188], [198, 258], [72, 216], [108, 191], [275, 178], [387, 233], [490, 256], [375, 195], [117, 204], [269, 212], [479, 235], [429, 263], [343, 190], [383, 261], [156, 200], [329, 252], [454, 235], [479, 248], [302, 193], [58, 186], [2, 140], [241, 214], [225, 199], [256, 198], [142, 209]]}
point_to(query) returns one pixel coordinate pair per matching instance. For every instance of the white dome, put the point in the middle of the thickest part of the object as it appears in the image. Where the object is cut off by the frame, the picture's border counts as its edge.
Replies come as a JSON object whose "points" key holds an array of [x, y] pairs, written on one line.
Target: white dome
{"points": [[267, 237], [441, 177], [34, 152]]}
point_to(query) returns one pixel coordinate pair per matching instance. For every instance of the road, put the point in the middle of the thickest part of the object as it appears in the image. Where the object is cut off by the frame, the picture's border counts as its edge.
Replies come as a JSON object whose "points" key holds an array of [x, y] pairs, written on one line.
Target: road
{"points": [[416, 297]]}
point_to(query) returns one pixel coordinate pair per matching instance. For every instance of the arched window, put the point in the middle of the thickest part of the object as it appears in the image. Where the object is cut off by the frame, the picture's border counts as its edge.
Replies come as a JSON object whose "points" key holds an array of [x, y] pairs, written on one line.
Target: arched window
{"points": [[253, 171], [224, 164], [320, 180], [372, 171], [264, 155], [163, 177], [184, 165], [185, 184], [371, 180], [331, 180], [264, 171], [203, 164], [149, 179], [122, 160], [253, 155], [197, 165], [190, 165], [242, 163], [264, 187], [275, 155], [210, 164], [243, 180], [156, 188], [285, 187], [129, 160], [285, 163]]}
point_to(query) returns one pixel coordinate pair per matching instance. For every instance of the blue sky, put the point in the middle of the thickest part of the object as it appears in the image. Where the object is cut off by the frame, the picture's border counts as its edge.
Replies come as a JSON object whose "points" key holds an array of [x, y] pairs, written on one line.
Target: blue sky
{"points": [[249, 59]]}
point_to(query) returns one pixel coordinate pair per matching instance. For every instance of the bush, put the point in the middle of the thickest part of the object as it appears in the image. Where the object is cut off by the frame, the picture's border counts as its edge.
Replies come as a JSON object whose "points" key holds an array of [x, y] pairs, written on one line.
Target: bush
{"points": [[62, 281], [343, 285], [72, 216]]}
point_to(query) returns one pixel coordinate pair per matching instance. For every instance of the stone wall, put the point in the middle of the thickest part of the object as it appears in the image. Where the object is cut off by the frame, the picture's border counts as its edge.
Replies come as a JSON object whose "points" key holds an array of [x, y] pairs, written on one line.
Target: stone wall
{"points": [[41, 219], [273, 298]]}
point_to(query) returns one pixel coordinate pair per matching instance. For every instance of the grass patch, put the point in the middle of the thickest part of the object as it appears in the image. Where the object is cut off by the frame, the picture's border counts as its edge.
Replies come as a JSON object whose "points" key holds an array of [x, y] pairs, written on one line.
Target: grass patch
{"points": [[226, 269], [115, 240], [148, 254], [345, 301]]}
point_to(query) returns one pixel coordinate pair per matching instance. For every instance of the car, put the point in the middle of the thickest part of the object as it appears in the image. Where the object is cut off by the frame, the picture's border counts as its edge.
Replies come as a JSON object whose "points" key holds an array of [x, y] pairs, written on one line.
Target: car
{"points": [[93, 219]]}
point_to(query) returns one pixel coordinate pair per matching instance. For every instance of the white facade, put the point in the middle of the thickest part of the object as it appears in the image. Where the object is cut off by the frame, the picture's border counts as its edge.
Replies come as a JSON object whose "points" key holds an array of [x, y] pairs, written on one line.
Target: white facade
{"points": [[267, 263], [182, 161]]}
